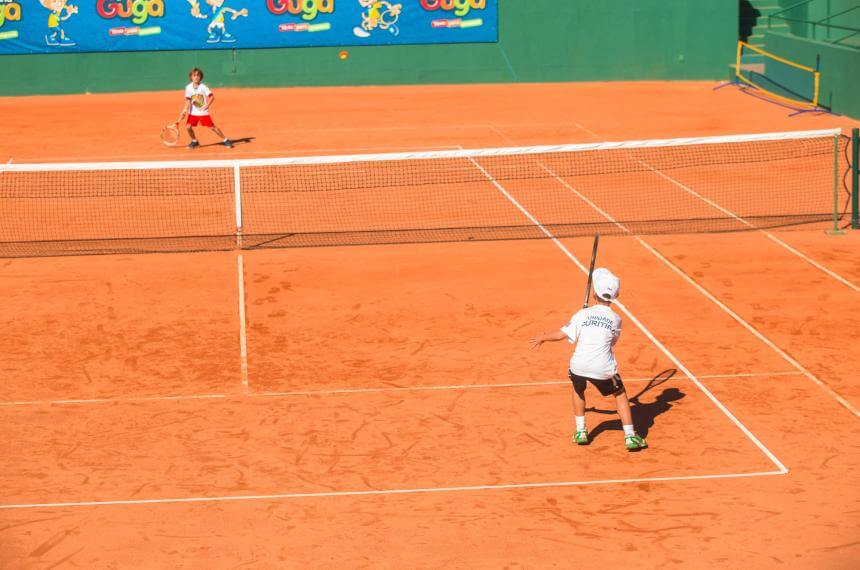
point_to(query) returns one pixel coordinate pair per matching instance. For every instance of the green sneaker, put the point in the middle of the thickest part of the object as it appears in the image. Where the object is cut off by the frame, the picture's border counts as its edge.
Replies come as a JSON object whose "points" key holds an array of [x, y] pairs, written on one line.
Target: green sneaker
{"points": [[580, 437], [635, 443]]}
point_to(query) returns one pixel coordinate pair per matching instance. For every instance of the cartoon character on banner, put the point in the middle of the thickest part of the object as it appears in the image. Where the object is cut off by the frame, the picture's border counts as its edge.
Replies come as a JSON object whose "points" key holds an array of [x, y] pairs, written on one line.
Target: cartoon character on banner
{"points": [[217, 28], [60, 12], [379, 14]]}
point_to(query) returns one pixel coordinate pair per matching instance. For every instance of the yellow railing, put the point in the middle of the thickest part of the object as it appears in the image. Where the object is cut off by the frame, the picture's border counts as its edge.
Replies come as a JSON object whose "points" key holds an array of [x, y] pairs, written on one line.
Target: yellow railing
{"points": [[816, 76]]}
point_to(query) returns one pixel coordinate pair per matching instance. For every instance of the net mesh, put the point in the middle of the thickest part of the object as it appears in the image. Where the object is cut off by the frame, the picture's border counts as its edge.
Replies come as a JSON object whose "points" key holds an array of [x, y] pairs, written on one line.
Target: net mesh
{"points": [[639, 187]]}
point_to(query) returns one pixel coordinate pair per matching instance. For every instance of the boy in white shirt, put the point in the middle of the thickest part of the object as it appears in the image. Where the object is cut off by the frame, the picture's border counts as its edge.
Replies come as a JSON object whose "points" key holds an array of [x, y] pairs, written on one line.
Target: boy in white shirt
{"points": [[595, 330], [198, 100]]}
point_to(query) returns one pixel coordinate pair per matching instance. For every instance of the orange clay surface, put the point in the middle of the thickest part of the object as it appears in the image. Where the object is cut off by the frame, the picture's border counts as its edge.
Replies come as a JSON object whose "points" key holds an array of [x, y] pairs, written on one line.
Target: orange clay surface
{"points": [[392, 414]]}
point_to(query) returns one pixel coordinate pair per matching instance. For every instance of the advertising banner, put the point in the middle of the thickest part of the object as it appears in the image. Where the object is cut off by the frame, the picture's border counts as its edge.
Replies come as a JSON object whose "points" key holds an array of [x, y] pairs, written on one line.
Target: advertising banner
{"points": [[64, 26]]}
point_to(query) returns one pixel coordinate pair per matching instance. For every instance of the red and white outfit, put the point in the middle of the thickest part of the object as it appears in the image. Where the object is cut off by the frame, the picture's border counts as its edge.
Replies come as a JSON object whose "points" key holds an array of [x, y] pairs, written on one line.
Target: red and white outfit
{"points": [[199, 97]]}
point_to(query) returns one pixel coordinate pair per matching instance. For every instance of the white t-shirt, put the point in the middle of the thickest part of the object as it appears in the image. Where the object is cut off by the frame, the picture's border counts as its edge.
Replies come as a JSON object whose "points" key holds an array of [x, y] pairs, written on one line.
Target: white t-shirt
{"points": [[595, 331], [199, 97]]}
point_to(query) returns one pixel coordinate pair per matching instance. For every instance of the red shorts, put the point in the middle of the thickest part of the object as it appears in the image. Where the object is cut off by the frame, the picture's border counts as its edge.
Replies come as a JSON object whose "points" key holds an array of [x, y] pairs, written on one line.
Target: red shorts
{"points": [[201, 120]]}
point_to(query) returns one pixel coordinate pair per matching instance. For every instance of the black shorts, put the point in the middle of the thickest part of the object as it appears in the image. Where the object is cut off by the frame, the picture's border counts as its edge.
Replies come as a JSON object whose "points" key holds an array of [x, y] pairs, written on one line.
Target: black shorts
{"points": [[608, 387]]}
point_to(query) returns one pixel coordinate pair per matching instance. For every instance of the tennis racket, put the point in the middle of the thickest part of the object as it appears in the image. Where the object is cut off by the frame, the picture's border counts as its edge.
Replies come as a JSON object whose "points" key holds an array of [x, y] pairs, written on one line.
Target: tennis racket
{"points": [[170, 134], [591, 270]]}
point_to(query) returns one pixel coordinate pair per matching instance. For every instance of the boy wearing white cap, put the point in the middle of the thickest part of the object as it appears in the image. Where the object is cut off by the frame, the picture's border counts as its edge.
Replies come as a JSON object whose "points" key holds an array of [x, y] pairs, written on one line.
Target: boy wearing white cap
{"points": [[595, 330]]}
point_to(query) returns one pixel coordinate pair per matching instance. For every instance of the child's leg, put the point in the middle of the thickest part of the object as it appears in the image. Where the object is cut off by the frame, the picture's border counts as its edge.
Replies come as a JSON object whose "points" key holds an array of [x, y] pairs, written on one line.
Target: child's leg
{"points": [[227, 142], [578, 405], [580, 435], [218, 132], [193, 143], [632, 441], [623, 405]]}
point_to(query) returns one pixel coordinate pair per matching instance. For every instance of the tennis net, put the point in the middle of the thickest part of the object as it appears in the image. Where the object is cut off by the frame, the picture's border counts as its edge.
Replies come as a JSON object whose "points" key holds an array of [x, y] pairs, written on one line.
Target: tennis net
{"points": [[690, 185]]}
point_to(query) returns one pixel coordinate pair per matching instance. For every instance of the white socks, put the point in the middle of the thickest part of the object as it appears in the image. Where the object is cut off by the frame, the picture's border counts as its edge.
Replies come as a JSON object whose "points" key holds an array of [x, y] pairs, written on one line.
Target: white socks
{"points": [[580, 426]]}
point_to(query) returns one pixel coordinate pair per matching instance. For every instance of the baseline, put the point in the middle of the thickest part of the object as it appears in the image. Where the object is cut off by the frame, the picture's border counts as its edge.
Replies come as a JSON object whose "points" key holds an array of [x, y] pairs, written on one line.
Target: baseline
{"points": [[385, 491]]}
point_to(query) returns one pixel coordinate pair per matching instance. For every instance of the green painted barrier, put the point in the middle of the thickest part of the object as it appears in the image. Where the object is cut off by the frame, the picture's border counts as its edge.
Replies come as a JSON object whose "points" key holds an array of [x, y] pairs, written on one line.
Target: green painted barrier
{"points": [[539, 41], [838, 65]]}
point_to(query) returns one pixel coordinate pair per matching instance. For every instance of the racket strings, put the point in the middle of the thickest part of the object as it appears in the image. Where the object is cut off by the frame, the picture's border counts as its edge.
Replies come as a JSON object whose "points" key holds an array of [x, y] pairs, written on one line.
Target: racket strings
{"points": [[170, 135]]}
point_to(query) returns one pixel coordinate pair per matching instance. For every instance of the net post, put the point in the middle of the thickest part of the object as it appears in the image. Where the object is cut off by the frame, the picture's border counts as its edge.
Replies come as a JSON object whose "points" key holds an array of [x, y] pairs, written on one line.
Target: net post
{"points": [[855, 178], [816, 80], [237, 192], [836, 231], [738, 60]]}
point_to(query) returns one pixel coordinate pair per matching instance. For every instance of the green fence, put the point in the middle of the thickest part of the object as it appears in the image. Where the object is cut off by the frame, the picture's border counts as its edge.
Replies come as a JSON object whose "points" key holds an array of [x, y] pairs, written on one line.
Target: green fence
{"points": [[540, 40]]}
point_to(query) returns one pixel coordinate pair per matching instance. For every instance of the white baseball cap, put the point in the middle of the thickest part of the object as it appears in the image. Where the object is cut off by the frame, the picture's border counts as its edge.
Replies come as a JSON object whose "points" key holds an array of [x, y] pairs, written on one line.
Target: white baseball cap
{"points": [[606, 285]]}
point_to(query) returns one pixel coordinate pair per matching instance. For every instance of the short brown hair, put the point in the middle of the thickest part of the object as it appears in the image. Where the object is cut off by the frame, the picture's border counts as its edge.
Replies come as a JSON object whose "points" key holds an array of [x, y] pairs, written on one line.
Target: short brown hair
{"points": [[195, 70]]}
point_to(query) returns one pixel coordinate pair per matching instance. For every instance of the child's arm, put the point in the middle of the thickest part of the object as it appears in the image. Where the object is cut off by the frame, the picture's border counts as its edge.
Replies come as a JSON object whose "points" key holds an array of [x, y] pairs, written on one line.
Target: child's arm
{"points": [[209, 100], [185, 109], [548, 337]]}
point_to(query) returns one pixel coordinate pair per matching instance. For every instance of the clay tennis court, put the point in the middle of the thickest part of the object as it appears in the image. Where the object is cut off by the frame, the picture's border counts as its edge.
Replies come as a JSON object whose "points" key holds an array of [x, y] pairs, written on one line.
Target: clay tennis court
{"points": [[378, 405]]}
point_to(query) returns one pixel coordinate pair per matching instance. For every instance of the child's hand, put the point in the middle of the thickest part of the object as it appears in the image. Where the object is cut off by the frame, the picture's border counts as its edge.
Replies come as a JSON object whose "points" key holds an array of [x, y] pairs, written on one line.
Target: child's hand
{"points": [[537, 341], [71, 9]]}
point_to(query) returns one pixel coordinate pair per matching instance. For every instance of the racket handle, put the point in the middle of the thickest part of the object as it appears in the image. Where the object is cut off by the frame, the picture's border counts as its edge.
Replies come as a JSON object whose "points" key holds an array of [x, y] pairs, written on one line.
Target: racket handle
{"points": [[591, 270]]}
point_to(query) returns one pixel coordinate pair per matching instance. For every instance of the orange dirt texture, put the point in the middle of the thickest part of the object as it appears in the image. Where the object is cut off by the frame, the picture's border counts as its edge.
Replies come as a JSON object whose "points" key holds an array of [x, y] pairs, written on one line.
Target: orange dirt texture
{"points": [[379, 406]]}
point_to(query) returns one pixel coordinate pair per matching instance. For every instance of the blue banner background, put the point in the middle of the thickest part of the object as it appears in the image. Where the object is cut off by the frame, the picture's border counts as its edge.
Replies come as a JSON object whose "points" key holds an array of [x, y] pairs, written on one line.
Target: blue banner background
{"points": [[28, 26]]}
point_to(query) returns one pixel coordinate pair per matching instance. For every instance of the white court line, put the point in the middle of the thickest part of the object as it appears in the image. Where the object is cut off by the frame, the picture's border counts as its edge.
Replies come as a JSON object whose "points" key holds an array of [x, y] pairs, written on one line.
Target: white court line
{"points": [[335, 391], [707, 294], [501, 134], [243, 335], [113, 400], [510, 385], [731, 214], [427, 127], [722, 305], [782, 468], [383, 491], [802, 370], [833, 393]]}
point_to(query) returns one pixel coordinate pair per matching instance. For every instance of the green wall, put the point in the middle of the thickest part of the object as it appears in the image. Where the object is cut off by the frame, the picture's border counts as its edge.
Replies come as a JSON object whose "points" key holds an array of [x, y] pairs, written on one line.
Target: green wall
{"points": [[840, 80], [844, 13], [540, 40]]}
